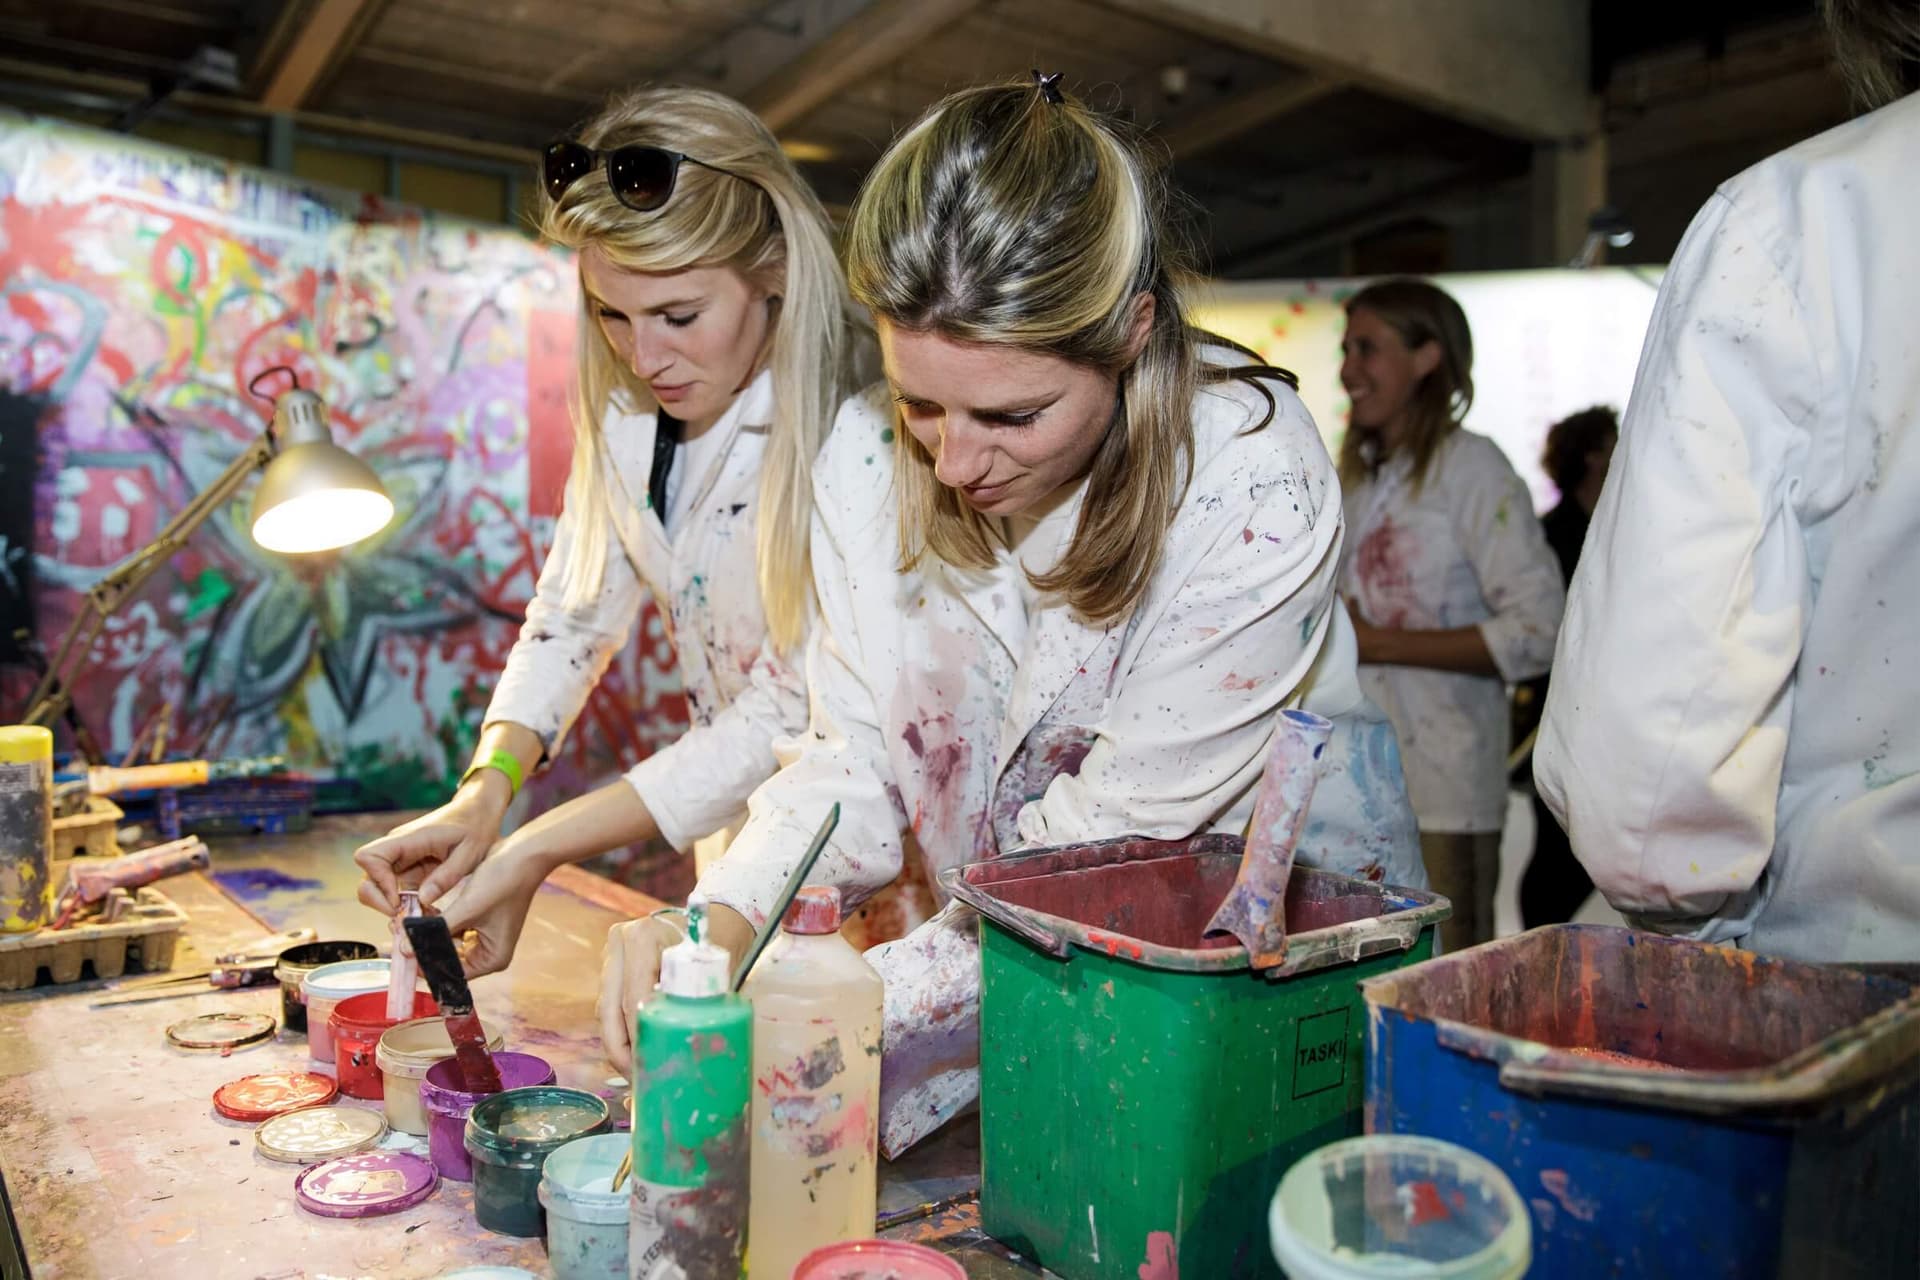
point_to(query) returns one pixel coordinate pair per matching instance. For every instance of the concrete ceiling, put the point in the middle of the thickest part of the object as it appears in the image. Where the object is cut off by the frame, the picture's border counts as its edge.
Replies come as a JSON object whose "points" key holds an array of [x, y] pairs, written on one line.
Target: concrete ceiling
{"points": [[1301, 127]]}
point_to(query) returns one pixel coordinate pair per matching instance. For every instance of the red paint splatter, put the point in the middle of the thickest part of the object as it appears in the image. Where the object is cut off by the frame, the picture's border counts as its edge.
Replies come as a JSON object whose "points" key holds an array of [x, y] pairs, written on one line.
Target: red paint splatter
{"points": [[1235, 683], [1246, 535], [1114, 945], [1162, 1262], [1383, 564], [1427, 1204]]}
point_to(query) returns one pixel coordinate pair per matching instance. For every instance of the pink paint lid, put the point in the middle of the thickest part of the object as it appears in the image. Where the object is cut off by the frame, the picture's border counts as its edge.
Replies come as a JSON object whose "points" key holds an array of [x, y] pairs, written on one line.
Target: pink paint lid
{"points": [[877, 1260], [365, 1185]]}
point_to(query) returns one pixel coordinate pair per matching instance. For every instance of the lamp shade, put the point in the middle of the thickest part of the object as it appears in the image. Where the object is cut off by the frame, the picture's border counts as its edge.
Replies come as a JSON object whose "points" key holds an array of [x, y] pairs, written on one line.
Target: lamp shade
{"points": [[314, 495]]}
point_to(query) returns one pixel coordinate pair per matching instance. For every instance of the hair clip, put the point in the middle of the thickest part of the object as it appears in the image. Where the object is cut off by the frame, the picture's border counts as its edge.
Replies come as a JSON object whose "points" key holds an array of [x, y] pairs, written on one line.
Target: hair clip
{"points": [[1049, 86]]}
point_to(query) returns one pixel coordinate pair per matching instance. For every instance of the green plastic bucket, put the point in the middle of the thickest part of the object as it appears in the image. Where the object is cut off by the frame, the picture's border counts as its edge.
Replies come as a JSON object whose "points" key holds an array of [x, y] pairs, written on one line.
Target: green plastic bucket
{"points": [[1142, 1090]]}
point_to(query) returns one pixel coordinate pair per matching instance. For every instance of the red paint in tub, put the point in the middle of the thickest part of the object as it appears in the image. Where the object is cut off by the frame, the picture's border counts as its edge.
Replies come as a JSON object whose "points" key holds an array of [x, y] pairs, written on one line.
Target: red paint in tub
{"points": [[357, 1025]]}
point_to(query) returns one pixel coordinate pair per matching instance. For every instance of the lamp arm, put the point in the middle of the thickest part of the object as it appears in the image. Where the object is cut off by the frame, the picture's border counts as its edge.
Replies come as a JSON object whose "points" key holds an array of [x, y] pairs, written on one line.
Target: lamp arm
{"points": [[51, 695]]}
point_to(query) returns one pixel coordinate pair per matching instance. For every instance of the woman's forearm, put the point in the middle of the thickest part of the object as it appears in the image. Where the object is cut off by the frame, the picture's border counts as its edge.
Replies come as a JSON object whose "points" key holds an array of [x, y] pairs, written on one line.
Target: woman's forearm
{"points": [[586, 826], [1461, 649]]}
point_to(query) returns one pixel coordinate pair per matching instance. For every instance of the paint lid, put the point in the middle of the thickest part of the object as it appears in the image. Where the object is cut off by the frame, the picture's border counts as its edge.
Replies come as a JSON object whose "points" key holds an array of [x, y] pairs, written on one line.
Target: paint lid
{"points": [[262, 1097], [815, 910], [518, 1128], [346, 978], [412, 1047], [221, 1032], [362, 1186], [319, 1133], [877, 1260], [25, 743]]}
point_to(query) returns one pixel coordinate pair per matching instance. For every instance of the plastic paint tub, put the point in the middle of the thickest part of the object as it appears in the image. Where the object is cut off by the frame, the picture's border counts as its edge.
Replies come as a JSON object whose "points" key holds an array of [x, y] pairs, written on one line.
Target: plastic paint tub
{"points": [[877, 1260], [297, 962], [326, 987], [1385, 1205], [357, 1023], [509, 1137], [1105, 1014], [404, 1055], [586, 1217], [447, 1105]]}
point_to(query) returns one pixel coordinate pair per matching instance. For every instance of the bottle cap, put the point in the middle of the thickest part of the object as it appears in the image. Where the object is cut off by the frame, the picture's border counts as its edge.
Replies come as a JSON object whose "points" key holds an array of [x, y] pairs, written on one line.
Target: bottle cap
{"points": [[696, 968], [814, 910]]}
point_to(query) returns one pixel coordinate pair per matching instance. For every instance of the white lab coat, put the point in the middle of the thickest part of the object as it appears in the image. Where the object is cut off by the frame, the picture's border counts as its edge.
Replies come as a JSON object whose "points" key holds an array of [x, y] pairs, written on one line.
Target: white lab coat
{"points": [[741, 693], [1733, 732], [1464, 550], [942, 708]]}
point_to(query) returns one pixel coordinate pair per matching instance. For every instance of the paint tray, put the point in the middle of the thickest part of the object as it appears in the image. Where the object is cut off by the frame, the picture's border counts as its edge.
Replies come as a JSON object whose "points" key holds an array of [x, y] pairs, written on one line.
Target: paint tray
{"points": [[142, 942], [278, 805], [1787, 1144], [91, 834], [1143, 1091]]}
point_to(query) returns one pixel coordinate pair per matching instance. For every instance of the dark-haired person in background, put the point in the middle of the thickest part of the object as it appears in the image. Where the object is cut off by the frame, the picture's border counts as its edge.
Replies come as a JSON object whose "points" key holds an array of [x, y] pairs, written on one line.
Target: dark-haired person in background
{"points": [[1576, 455], [1733, 736]]}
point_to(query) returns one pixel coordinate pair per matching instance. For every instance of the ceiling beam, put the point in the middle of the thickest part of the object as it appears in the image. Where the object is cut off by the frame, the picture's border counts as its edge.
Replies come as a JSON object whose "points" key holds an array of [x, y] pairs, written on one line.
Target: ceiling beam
{"points": [[332, 28], [1517, 67], [858, 48], [1230, 117]]}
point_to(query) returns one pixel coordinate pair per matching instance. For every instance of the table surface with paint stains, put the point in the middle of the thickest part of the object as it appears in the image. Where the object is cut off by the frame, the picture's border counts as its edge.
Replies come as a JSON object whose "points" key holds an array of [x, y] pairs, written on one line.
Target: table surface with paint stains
{"points": [[116, 1164]]}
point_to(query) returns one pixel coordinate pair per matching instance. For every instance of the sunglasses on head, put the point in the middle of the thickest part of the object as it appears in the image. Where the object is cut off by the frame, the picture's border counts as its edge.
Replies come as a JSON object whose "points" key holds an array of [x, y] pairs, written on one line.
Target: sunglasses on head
{"points": [[642, 178]]}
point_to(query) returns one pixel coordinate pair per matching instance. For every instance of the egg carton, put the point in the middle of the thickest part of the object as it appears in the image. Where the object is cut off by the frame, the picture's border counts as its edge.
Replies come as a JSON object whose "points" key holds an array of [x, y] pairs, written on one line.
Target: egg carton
{"points": [[137, 935]]}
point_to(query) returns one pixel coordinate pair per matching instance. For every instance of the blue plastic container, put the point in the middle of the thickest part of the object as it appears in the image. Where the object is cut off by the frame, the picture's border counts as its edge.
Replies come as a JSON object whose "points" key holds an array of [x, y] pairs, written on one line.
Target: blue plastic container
{"points": [[1786, 1143]]}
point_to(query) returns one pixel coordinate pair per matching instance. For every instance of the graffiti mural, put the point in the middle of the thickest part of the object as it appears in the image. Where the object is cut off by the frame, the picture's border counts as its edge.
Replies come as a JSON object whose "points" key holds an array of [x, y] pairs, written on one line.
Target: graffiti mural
{"points": [[141, 290]]}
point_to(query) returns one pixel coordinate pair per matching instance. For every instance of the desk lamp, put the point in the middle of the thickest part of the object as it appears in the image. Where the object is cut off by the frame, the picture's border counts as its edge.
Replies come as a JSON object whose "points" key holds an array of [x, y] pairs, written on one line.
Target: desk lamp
{"points": [[315, 496]]}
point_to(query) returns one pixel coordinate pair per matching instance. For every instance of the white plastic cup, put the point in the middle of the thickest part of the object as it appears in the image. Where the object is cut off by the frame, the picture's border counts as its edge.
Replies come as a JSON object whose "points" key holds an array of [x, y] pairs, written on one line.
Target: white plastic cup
{"points": [[1392, 1205], [586, 1217]]}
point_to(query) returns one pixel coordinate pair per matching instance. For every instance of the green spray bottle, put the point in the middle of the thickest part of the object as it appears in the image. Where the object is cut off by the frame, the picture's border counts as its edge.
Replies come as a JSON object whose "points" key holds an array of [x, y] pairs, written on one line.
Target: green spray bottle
{"points": [[693, 1061]]}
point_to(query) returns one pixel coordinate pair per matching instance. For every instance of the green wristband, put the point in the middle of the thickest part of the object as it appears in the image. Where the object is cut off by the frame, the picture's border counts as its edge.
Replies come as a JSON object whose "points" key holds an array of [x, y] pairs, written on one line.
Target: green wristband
{"points": [[504, 762]]}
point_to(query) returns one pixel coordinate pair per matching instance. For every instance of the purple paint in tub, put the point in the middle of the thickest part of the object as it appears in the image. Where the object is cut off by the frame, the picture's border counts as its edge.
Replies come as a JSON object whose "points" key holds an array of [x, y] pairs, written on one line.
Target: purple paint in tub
{"points": [[447, 1102]]}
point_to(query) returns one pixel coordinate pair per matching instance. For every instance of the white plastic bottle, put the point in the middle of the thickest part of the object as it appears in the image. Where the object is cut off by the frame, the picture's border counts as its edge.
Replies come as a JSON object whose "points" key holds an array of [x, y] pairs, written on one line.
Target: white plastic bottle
{"points": [[816, 1089]]}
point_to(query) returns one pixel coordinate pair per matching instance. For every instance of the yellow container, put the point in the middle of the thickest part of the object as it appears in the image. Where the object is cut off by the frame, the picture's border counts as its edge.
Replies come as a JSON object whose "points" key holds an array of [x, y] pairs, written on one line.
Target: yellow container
{"points": [[404, 1054], [26, 828]]}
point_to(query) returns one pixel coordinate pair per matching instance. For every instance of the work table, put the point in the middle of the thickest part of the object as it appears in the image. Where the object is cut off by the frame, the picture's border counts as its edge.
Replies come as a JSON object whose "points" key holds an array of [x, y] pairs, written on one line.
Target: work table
{"points": [[116, 1164]]}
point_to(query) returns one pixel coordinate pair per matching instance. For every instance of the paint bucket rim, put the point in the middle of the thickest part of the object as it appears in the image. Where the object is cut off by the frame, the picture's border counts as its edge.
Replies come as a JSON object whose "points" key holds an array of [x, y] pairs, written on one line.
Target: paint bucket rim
{"points": [[1506, 1257], [456, 1103], [891, 1251], [331, 981], [346, 1016], [595, 1208], [485, 1143], [394, 1055], [291, 970]]}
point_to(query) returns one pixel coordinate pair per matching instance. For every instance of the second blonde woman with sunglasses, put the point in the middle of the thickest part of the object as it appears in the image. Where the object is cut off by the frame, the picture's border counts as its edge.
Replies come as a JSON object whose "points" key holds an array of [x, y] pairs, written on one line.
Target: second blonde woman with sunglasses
{"points": [[715, 348]]}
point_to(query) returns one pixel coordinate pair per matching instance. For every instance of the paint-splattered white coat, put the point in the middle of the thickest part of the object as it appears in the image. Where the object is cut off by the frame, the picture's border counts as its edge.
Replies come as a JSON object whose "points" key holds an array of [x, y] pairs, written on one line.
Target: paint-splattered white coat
{"points": [[943, 707], [741, 693], [1463, 549], [1733, 732]]}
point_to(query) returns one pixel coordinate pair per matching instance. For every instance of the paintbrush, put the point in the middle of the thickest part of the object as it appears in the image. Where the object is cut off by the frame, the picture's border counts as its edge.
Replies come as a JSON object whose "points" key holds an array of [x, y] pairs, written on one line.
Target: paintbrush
{"points": [[439, 963], [771, 925], [768, 928]]}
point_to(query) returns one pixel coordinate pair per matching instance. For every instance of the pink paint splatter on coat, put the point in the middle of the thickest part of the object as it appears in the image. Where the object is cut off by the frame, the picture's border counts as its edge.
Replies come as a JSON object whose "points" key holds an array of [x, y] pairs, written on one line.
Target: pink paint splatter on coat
{"points": [[1382, 562]]}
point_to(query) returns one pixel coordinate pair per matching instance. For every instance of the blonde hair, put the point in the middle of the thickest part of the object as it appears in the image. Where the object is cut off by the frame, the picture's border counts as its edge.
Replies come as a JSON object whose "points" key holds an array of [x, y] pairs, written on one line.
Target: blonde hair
{"points": [[1420, 313], [772, 230], [1006, 218], [1877, 44]]}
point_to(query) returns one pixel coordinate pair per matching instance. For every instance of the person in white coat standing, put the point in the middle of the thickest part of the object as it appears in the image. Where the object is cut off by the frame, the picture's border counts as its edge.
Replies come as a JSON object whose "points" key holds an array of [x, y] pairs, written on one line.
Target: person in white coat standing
{"points": [[715, 346], [1072, 561], [1733, 734], [1454, 590]]}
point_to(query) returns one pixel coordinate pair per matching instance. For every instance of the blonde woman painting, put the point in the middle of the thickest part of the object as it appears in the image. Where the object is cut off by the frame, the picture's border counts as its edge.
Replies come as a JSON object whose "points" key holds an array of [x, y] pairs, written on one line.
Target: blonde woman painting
{"points": [[715, 341], [1073, 559]]}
